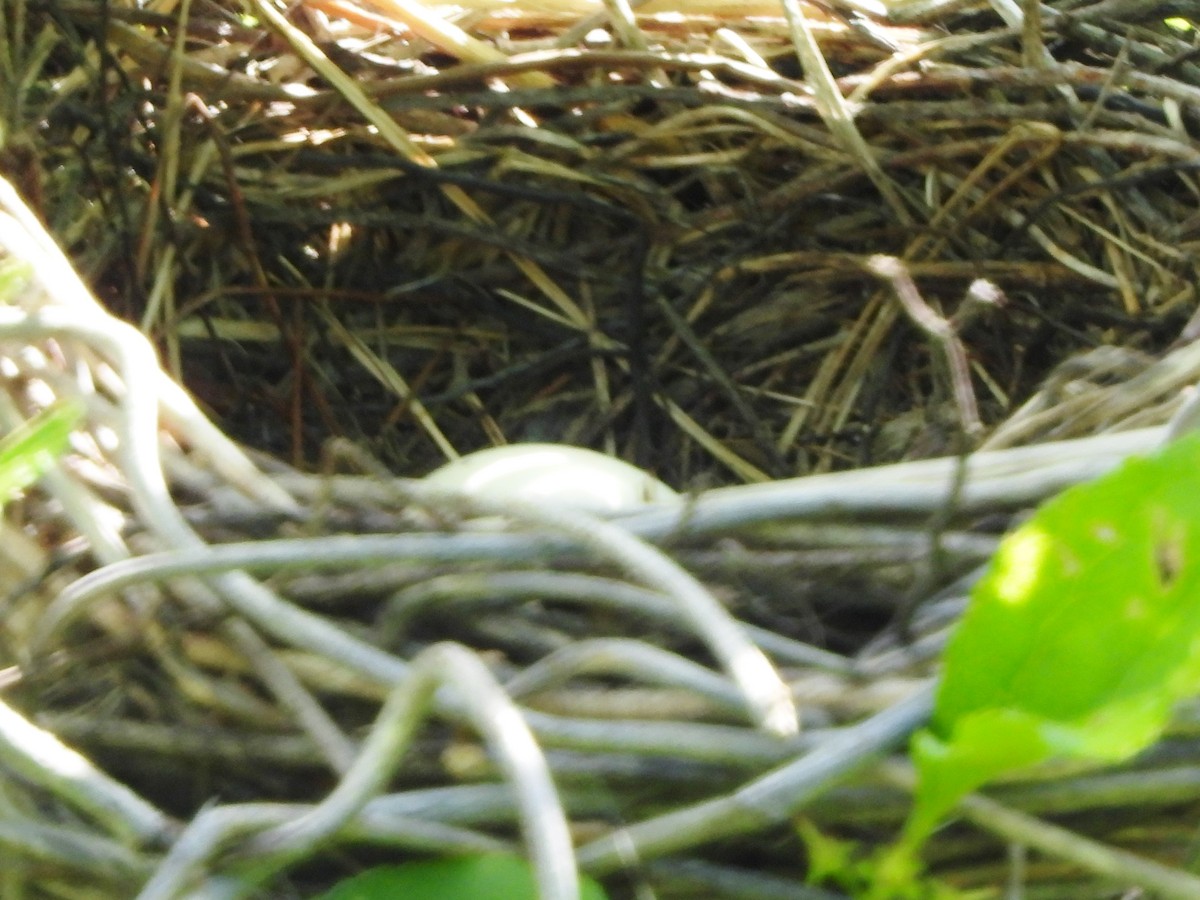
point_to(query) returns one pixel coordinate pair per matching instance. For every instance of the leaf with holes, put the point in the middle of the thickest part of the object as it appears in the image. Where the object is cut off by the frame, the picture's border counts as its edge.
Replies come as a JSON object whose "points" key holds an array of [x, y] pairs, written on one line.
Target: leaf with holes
{"points": [[1080, 638]]}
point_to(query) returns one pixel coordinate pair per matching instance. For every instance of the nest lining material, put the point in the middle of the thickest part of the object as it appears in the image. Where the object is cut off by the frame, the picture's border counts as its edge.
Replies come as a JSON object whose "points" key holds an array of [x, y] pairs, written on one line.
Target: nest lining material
{"points": [[664, 253], [657, 239]]}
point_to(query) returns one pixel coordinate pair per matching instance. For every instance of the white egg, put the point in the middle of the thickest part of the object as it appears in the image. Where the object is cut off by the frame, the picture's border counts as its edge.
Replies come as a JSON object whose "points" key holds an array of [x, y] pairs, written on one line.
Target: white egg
{"points": [[558, 474]]}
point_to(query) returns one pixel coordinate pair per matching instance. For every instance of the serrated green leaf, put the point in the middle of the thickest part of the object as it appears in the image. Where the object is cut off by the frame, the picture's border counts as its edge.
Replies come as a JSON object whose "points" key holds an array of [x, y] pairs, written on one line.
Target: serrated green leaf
{"points": [[486, 877], [1080, 638], [829, 859], [891, 873]]}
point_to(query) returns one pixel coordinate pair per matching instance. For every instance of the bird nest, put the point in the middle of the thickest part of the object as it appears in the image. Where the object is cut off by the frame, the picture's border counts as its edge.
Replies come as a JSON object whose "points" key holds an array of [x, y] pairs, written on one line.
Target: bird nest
{"points": [[861, 316]]}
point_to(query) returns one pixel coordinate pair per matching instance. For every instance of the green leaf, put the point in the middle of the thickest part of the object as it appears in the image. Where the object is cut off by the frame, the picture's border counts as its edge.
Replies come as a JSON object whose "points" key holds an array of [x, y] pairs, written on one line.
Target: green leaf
{"points": [[486, 877], [31, 449], [828, 858], [15, 276], [892, 873], [1080, 638]]}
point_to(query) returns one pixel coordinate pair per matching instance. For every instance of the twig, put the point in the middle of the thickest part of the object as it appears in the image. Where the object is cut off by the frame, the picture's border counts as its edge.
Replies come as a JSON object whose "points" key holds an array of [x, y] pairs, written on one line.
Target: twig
{"points": [[943, 333], [476, 693], [574, 586], [337, 749], [1053, 840], [836, 112], [30, 242], [40, 758], [626, 658], [100, 858], [766, 800]]}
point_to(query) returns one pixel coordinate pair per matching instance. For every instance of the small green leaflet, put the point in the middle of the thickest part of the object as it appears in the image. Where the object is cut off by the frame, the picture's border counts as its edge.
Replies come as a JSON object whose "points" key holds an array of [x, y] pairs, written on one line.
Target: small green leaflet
{"points": [[1078, 641], [32, 448], [15, 276], [492, 876]]}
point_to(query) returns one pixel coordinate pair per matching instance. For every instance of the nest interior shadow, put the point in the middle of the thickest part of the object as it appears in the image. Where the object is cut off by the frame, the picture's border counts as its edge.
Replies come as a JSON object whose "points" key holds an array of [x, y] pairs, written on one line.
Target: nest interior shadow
{"points": [[661, 251]]}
